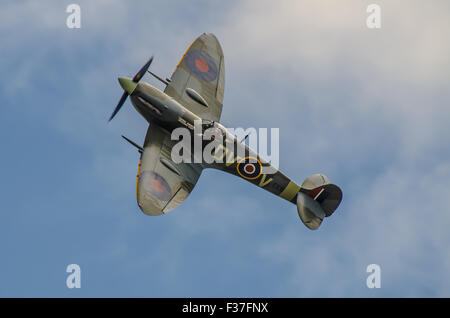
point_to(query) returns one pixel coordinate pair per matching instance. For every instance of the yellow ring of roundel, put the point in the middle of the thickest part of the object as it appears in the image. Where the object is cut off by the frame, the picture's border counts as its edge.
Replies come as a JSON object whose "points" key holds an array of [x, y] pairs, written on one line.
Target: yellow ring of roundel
{"points": [[245, 177]]}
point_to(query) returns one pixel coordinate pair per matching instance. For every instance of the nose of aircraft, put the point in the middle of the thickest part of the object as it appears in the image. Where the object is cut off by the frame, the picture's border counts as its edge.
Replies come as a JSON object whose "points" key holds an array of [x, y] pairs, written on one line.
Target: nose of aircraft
{"points": [[127, 84]]}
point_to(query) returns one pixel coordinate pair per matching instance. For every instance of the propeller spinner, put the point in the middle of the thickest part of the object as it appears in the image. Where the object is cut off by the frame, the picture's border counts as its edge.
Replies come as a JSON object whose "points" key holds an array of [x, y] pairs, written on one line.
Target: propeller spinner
{"points": [[129, 85]]}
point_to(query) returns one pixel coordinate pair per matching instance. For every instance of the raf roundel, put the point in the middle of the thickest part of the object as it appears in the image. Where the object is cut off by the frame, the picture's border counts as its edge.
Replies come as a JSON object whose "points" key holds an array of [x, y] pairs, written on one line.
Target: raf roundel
{"points": [[249, 168], [155, 185], [201, 65]]}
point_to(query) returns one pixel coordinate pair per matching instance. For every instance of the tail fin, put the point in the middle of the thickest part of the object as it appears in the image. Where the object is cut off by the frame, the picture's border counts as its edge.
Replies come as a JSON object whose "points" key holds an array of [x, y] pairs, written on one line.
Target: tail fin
{"points": [[317, 198]]}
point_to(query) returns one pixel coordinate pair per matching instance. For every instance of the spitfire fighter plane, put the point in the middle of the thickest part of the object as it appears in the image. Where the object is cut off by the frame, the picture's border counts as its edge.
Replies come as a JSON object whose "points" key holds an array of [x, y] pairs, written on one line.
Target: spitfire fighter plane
{"points": [[195, 93]]}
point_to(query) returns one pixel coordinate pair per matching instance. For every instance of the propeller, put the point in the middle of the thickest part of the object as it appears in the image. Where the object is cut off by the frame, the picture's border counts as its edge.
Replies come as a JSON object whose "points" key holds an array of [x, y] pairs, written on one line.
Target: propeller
{"points": [[125, 82]]}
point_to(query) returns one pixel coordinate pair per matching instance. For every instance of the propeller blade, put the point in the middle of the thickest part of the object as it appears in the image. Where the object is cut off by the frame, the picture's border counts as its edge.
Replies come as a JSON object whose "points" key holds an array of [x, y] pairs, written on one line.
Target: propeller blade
{"points": [[142, 71], [136, 79], [119, 105]]}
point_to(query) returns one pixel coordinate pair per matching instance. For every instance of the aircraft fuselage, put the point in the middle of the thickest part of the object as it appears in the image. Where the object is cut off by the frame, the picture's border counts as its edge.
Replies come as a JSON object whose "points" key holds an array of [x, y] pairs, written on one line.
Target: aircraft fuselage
{"points": [[232, 156]]}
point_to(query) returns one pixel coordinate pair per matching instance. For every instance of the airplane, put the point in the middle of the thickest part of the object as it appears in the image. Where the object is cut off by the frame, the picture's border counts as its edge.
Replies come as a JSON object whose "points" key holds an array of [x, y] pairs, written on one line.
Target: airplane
{"points": [[194, 93]]}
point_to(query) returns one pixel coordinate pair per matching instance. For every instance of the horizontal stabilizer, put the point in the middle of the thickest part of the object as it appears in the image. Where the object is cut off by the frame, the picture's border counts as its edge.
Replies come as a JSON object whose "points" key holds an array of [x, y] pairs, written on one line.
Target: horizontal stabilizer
{"points": [[309, 211], [317, 199]]}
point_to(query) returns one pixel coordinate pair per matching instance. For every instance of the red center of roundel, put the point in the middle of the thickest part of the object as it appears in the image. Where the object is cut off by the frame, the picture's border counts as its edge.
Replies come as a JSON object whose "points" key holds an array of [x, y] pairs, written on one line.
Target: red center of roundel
{"points": [[202, 65], [156, 185], [248, 168]]}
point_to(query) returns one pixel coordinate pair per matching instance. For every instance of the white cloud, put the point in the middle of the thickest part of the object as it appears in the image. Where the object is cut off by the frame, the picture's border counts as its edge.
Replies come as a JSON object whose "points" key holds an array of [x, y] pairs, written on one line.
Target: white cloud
{"points": [[368, 107], [363, 95]]}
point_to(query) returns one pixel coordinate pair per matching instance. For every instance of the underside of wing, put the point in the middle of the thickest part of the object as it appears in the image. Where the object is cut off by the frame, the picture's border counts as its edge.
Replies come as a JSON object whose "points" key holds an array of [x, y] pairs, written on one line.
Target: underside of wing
{"points": [[162, 184], [201, 73]]}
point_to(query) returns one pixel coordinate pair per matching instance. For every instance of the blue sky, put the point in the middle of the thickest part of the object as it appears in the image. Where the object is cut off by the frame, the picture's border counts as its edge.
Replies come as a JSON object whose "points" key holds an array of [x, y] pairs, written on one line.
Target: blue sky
{"points": [[368, 108]]}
